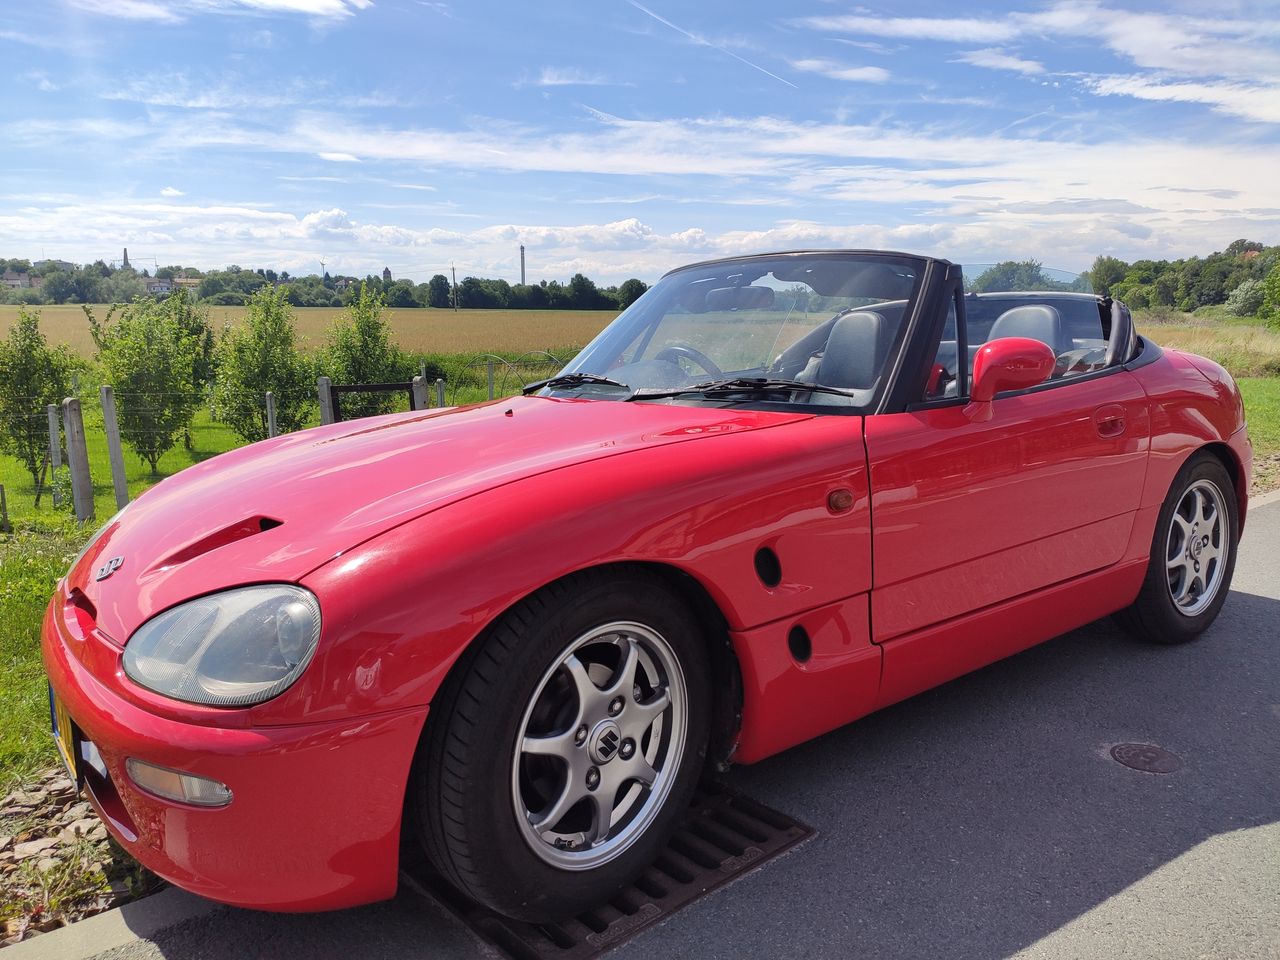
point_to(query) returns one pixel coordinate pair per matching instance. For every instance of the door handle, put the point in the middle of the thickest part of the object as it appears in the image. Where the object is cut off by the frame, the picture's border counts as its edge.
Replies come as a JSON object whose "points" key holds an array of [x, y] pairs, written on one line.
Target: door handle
{"points": [[1109, 421]]}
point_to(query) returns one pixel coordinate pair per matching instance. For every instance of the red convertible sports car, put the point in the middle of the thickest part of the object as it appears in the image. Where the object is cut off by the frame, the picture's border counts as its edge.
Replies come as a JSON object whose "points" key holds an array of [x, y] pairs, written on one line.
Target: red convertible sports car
{"points": [[777, 493]]}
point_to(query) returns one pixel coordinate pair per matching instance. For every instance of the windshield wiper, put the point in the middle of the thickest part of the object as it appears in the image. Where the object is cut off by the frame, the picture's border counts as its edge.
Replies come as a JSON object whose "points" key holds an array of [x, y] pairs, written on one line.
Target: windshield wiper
{"points": [[731, 385], [573, 380]]}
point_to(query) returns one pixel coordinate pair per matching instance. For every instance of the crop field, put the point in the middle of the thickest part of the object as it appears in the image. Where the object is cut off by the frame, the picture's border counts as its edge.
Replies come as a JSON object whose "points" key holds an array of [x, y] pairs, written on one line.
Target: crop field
{"points": [[424, 330]]}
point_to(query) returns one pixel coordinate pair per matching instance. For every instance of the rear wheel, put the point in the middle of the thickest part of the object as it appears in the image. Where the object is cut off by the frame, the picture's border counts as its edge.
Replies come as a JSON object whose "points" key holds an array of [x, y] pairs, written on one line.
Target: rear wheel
{"points": [[558, 760], [1193, 556]]}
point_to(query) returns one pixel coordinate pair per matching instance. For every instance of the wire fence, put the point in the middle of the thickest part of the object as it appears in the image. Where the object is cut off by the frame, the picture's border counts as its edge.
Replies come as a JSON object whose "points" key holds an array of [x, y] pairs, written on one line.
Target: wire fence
{"points": [[148, 428]]}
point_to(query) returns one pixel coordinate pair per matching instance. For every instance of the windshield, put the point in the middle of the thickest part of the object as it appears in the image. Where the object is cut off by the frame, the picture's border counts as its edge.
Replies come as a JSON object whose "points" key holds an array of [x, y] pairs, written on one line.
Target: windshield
{"points": [[816, 327]]}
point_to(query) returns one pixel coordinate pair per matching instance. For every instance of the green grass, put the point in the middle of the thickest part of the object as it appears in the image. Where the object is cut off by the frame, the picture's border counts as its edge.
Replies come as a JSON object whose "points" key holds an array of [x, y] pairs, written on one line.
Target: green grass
{"points": [[31, 561], [207, 439], [1262, 408]]}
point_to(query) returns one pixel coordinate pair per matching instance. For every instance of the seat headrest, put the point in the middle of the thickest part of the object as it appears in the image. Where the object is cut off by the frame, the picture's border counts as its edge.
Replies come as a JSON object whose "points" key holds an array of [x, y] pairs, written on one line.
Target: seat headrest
{"points": [[1038, 321], [856, 350]]}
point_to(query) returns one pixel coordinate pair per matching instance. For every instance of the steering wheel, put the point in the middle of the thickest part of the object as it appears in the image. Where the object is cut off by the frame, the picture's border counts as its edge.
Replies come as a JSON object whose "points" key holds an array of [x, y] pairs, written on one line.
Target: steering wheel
{"points": [[675, 352]]}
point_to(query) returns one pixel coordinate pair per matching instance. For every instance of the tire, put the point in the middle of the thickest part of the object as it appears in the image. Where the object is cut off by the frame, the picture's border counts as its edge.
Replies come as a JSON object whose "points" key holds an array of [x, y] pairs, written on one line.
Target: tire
{"points": [[1193, 555], [529, 788]]}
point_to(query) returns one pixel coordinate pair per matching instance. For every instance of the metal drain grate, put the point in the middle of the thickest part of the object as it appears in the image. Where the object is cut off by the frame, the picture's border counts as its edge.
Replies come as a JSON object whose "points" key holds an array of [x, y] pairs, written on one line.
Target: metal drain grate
{"points": [[724, 836]]}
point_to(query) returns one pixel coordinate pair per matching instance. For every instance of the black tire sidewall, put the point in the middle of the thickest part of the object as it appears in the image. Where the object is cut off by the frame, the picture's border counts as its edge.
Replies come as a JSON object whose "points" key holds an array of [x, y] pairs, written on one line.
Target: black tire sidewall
{"points": [[504, 872], [1155, 617]]}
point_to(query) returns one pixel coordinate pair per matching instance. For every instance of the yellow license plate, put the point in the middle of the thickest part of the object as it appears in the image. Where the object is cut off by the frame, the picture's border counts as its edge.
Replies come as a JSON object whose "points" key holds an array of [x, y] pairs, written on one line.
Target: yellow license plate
{"points": [[64, 736]]}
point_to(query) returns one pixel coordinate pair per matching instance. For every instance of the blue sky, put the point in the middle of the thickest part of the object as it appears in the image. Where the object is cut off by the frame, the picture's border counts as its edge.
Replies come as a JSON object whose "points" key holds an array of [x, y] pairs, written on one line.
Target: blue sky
{"points": [[625, 137]]}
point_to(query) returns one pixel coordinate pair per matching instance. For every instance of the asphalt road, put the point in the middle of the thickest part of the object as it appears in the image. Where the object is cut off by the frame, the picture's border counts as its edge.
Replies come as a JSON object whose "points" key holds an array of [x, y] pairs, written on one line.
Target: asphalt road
{"points": [[984, 819]]}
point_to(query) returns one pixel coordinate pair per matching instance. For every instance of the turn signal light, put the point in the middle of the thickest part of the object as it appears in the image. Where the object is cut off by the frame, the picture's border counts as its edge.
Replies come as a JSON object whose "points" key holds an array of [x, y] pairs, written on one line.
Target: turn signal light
{"points": [[175, 785]]}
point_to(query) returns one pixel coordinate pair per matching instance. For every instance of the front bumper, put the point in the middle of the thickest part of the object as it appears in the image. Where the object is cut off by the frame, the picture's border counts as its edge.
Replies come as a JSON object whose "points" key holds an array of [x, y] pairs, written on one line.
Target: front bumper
{"points": [[314, 820]]}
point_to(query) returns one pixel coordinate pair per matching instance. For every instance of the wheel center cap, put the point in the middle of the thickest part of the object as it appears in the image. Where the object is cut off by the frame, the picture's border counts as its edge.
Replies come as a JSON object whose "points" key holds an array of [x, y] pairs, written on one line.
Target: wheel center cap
{"points": [[605, 740], [1196, 547]]}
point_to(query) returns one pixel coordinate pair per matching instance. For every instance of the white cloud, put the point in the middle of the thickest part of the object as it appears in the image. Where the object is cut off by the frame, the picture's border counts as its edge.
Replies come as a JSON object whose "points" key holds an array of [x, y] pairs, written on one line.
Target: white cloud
{"points": [[177, 10], [1238, 99], [967, 30], [129, 10], [337, 156], [172, 192], [839, 71], [1000, 60], [1228, 63], [568, 77]]}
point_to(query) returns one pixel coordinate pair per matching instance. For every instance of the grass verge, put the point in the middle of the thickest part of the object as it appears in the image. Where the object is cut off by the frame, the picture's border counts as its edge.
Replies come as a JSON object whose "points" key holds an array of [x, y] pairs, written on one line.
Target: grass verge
{"points": [[31, 561]]}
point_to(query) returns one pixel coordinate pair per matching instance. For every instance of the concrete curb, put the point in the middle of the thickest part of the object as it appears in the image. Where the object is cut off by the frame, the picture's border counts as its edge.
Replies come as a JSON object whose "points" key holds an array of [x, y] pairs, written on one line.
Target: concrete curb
{"points": [[115, 928], [1261, 501]]}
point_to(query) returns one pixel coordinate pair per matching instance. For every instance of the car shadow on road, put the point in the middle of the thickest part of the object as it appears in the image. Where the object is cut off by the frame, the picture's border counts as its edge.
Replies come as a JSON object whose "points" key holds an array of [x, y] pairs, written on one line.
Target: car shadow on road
{"points": [[970, 821], [978, 818]]}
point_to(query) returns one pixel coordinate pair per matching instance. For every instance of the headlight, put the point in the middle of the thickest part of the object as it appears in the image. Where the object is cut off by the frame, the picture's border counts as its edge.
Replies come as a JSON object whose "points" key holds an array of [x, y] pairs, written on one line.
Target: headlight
{"points": [[231, 649]]}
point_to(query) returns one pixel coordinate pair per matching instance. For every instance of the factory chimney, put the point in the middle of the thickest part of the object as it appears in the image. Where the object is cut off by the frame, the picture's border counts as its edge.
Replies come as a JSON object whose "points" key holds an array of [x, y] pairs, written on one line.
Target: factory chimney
{"points": [[522, 264]]}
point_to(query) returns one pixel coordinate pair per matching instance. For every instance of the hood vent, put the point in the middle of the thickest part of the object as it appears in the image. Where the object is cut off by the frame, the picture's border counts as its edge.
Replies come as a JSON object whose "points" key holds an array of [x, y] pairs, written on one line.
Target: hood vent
{"points": [[240, 530]]}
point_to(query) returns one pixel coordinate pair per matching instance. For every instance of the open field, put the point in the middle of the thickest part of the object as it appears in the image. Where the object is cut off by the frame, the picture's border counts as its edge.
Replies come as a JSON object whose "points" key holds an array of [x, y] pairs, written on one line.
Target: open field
{"points": [[418, 331], [1246, 349]]}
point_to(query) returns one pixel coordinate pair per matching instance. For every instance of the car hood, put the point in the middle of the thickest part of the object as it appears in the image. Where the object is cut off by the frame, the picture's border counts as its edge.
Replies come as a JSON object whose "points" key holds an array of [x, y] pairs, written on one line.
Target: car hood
{"points": [[276, 510]]}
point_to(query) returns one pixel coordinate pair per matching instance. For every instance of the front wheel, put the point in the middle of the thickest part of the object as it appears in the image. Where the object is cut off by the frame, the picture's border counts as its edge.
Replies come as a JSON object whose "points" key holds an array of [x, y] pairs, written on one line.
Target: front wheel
{"points": [[1193, 555], [568, 746]]}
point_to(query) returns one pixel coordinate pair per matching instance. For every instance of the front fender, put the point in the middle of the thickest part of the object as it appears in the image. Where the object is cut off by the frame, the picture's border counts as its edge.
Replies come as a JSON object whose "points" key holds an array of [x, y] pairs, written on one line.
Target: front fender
{"points": [[400, 609]]}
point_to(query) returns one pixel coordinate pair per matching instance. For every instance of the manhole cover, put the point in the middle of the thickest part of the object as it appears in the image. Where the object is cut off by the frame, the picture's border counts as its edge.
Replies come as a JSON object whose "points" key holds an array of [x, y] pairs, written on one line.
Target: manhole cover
{"points": [[724, 835], [1146, 757]]}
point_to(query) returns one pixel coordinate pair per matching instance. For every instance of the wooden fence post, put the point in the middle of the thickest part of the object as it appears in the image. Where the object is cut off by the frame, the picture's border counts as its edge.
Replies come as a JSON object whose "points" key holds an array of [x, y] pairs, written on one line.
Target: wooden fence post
{"points": [[119, 480], [439, 393], [489, 371], [5, 526], [326, 399], [78, 459], [419, 393], [55, 452], [271, 415]]}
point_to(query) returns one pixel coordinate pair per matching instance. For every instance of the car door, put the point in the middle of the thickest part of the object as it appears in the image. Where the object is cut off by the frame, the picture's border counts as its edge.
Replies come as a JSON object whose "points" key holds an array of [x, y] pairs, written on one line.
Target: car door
{"points": [[969, 514]]}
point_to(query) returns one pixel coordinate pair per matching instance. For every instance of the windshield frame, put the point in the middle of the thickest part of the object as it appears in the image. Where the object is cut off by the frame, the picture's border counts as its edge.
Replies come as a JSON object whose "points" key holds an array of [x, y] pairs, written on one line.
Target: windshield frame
{"points": [[623, 330]]}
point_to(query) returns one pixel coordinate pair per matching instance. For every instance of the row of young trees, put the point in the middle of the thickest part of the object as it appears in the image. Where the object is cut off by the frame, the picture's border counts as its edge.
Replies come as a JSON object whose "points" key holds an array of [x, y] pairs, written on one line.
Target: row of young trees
{"points": [[163, 361]]}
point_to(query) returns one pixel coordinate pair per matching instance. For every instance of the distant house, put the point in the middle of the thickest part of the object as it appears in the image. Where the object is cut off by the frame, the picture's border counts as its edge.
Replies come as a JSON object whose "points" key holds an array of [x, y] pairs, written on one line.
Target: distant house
{"points": [[185, 283], [16, 281], [342, 283], [65, 265], [157, 285]]}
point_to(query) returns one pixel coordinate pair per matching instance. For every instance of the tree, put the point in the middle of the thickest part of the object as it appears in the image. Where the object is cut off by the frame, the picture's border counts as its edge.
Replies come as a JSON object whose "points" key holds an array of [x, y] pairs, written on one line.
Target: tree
{"points": [[1015, 275], [400, 294], [149, 357], [31, 376], [1105, 273], [631, 291], [59, 286], [1270, 310], [438, 291], [583, 294], [1245, 299], [261, 354], [360, 350], [122, 286]]}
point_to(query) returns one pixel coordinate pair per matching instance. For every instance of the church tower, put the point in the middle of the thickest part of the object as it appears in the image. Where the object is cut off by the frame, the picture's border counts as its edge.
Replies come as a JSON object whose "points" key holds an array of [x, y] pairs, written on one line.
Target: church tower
{"points": [[386, 274]]}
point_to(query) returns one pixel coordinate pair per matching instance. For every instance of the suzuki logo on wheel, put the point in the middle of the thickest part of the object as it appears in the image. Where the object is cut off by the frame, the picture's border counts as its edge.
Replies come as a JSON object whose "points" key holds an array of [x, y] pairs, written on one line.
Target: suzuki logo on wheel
{"points": [[108, 568], [605, 741], [609, 744]]}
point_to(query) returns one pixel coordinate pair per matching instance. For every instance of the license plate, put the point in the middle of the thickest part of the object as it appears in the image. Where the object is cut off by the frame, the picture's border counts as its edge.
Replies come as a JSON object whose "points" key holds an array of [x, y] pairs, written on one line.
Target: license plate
{"points": [[64, 736]]}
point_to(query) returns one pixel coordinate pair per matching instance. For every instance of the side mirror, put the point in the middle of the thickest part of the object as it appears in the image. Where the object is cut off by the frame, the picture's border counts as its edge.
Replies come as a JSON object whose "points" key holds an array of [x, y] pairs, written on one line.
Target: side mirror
{"points": [[1010, 363]]}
